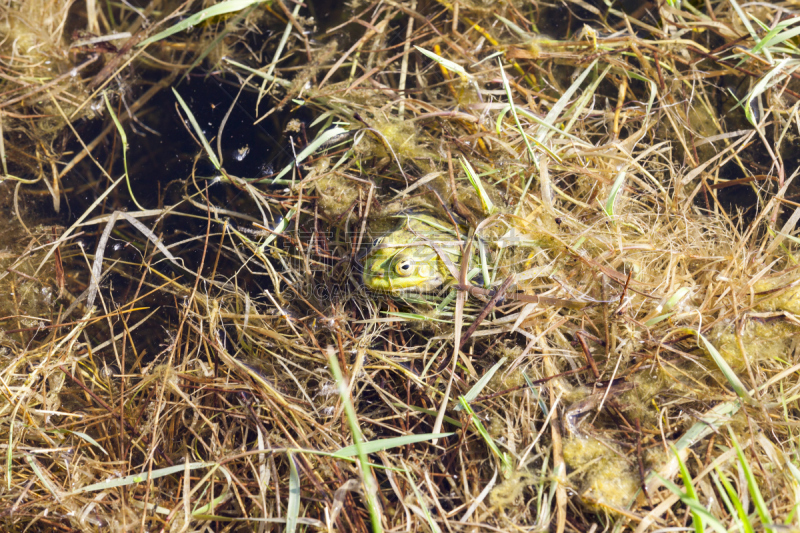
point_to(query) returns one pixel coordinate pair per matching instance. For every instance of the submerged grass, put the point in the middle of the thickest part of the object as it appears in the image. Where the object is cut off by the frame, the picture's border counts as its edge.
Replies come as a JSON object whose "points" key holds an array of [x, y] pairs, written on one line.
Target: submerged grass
{"points": [[617, 349]]}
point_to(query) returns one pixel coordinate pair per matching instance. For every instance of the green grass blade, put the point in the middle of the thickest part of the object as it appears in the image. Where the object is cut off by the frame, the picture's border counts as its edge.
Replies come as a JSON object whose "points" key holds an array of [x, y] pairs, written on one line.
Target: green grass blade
{"points": [[545, 149], [138, 478], [538, 393], [124, 139], [709, 423], [695, 506], [293, 505], [223, 8], [667, 307], [476, 389], [445, 303], [746, 21], [215, 502], [486, 202], [505, 461], [793, 470], [48, 483], [725, 368], [10, 448], [415, 316], [562, 102], [281, 45], [446, 63], [763, 84], [690, 492], [516, 29], [88, 439], [263, 75], [724, 497], [280, 227], [540, 122], [434, 527], [790, 237], [612, 197], [733, 499], [653, 94], [370, 486], [198, 130], [660, 318], [510, 97], [676, 298], [575, 110], [752, 486], [773, 38], [380, 445], [121, 131], [221, 35], [321, 140], [484, 270]]}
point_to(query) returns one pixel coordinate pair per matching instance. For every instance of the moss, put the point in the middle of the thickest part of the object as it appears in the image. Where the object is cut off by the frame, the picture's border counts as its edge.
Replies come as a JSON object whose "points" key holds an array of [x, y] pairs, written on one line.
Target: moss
{"points": [[32, 37], [507, 349], [501, 380], [468, 197], [336, 194], [656, 457], [763, 340], [497, 427], [609, 480], [578, 451], [784, 300], [507, 493], [21, 290], [648, 384], [396, 140], [401, 136]]}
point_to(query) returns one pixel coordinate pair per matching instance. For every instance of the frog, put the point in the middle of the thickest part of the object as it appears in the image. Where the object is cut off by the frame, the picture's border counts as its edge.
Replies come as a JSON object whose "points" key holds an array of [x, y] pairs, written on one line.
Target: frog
{"points": [[423, 255], [420, 255]]}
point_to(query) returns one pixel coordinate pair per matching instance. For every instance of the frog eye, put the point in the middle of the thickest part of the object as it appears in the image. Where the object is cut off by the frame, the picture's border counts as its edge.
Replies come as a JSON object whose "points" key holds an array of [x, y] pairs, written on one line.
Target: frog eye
{"points": [[404, 268], [377, 242]]}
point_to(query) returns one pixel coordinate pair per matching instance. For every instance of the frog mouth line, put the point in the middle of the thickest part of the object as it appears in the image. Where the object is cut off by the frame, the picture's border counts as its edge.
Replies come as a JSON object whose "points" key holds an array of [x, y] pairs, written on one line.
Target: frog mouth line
{"points": [[381, 282]]}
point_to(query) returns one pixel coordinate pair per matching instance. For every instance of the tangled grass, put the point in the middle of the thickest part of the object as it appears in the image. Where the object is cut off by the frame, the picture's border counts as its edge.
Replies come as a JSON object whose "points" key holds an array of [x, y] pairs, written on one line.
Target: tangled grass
{"points": [[196, 351]]}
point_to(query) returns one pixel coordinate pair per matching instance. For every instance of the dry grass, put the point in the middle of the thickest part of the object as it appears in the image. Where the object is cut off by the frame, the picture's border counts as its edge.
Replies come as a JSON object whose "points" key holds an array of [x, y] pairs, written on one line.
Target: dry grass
{"points": [[206, 358]]}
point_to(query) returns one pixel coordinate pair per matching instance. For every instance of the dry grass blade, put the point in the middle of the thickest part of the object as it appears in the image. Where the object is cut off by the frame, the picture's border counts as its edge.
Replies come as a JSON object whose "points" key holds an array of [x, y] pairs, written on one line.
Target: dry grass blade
{"points": [[97, 266], [524, 267], [198, 131]]}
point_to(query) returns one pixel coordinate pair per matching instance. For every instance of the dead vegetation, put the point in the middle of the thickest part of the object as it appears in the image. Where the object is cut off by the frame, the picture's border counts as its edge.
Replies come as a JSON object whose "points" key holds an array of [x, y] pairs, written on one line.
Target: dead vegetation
{"points": [[196, 351]]}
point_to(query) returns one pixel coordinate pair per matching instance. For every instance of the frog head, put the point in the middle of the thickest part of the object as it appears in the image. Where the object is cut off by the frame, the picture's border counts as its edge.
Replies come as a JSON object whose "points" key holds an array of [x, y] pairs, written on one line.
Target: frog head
{"points": [[406, 260]]}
